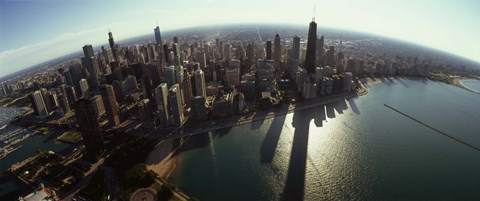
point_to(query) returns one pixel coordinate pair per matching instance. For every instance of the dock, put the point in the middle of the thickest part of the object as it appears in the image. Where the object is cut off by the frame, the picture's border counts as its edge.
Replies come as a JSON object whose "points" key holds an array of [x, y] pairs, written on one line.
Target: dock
{"points": [[433, 128]]}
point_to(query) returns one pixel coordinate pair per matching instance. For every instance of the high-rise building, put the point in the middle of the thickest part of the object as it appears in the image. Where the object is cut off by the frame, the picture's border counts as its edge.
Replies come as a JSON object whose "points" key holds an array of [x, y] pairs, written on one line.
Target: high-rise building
{"points": [[110, 103], [277, 52], [200, 89], [98, 105], [158, 36], [233, 72], [64, 99], [201, 58], [170, 75], [320, 51], [175, 101], [330, 57], [294, 57], [89, 128], [84, 88], [199, 111], [268, 49], [161, 96], [250, 53], [311, 48], [47, 100], [88, 51], [112, 46], [38, 104], [227, 52], [145, 110], [153, 69]]}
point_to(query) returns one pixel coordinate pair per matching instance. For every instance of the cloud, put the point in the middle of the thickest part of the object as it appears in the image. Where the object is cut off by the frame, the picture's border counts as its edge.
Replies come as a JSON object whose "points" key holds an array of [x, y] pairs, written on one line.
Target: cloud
{"points": [[23, 57]]}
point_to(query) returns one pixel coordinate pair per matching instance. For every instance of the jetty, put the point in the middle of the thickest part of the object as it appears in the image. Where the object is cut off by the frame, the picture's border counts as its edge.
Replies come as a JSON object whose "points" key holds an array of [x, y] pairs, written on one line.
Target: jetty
{"points": [[433, 128]]}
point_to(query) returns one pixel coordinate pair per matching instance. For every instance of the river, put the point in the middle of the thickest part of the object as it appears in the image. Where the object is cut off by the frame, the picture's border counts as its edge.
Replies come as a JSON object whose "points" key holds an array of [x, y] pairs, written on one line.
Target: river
{"points": [[353, 149]]}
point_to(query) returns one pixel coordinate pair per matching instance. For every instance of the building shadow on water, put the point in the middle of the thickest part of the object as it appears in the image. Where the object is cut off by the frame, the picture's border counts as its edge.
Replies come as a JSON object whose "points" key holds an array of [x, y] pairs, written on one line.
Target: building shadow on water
{"points": [[193, 142], [340, 106], [260, 116], [319, 116], [353, 105], [401, 81], [330, 111], [269, 144], [295, 183]]}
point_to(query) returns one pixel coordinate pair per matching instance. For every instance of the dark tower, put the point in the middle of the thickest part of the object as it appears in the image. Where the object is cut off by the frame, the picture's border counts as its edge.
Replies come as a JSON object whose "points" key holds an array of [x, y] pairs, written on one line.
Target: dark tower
{"points": [[311, 47], [277, 52], [112, 46], [269, 50], [158, 36], [89, 128], [320, 51]]}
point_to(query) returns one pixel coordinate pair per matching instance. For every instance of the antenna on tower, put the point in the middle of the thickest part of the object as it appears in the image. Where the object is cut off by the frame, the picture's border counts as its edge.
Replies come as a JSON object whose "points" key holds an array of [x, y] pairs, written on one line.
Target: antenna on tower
{"points": [[109, 30], [314, 12], [157, 22]]}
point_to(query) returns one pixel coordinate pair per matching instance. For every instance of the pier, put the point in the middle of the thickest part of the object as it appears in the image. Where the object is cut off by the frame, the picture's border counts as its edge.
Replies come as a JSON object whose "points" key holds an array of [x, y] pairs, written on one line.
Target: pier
{"points": [[435, 129]]}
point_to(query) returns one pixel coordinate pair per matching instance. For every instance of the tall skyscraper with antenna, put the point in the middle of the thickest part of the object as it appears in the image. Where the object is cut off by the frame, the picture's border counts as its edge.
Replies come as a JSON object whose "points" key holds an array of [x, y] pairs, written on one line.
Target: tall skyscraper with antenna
{"points": [[112, 45], [311, 46], [158, 36]]}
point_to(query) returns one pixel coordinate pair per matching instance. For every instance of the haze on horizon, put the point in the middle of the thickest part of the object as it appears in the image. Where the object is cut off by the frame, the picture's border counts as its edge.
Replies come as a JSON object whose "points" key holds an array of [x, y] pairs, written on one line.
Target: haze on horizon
{"points": [[34, 31]]}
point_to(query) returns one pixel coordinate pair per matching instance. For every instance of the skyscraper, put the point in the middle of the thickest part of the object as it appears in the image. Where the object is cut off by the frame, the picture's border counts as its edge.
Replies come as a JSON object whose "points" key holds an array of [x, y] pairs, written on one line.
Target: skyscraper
{"points": [[38, 104], [90, 62], [110, 103], [200, 89], [112, 46], [89, 128], [250, 53], [311, 47], [268, 50], [330, 57], [320, 51], [158, 36], [47, 100], [98, 105], [294, 57], [170, 75], [277, 52], [175, 101], [64, 99], [84, 88], [161, 96]]}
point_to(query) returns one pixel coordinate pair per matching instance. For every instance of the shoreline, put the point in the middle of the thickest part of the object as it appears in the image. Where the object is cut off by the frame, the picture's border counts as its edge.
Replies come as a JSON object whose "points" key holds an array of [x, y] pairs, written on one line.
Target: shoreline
{"points": [[457, 82], [162, 159]]}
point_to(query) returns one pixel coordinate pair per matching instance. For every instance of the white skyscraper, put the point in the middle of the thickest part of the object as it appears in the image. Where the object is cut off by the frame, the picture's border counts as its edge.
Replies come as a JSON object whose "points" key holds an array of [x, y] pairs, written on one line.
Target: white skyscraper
{"points": [[39, 104], [175, 101], [161, 96], [84, 87]]}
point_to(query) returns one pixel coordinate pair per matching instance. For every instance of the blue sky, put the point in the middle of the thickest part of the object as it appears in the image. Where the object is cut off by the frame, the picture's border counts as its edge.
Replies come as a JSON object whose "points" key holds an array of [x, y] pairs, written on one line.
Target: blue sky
{"points": [[33, 31]]}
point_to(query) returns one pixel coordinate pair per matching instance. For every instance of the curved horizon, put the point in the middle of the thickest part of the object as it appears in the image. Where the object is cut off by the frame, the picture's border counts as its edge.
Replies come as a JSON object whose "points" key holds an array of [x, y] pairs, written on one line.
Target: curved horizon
{"points": [[446, 26]]}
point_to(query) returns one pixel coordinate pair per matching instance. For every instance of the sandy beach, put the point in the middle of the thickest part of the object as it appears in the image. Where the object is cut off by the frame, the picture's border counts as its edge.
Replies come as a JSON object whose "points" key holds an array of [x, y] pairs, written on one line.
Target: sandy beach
{"points": [[162, 160]]}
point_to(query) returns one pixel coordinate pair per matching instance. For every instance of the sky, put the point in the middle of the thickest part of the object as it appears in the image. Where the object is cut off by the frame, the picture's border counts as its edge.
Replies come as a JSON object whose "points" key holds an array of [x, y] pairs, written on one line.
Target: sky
{"points": [[34, 31]]}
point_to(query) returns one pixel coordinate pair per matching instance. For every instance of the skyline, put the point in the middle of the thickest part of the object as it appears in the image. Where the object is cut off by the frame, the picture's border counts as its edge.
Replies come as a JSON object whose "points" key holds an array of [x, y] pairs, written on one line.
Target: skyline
{"points": [[23, 36]]}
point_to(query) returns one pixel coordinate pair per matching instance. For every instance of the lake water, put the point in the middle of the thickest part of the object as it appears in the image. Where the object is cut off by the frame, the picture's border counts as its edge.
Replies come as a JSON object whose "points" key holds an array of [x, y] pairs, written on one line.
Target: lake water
{"points": [[353, 149], [471, 84]]}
